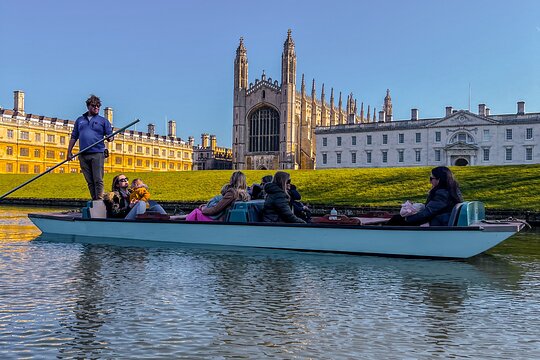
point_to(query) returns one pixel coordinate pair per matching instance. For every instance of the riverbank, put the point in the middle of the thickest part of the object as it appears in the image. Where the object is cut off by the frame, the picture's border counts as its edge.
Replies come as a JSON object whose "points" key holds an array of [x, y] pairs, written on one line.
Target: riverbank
{"points": [[532, 217]]}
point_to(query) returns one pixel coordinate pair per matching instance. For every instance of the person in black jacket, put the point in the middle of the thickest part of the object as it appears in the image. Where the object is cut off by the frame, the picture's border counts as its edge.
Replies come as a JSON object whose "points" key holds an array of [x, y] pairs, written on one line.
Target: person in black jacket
{"points": [[442, 198], [299, 209], [277, 203], [257, 190]]}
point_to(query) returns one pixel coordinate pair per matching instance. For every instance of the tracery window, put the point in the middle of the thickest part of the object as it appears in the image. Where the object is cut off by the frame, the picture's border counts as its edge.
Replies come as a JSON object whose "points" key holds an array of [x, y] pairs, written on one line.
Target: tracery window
{"points": [[264, 130]]}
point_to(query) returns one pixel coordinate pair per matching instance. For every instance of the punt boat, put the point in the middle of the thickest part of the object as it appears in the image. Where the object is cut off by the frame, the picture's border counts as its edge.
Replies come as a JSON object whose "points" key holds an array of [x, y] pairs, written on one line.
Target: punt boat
{"points": [[467, 235]]}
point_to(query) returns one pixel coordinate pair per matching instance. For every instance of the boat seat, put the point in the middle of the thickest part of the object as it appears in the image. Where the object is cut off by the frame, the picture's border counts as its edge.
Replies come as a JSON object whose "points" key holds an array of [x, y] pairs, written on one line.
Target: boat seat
{"points": [[94, 209], [454, 215], [246, 211], [471, 212]]}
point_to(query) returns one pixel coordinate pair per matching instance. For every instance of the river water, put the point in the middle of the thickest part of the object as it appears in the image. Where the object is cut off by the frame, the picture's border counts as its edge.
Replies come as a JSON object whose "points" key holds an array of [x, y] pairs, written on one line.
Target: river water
{"points": [[63, 299]]}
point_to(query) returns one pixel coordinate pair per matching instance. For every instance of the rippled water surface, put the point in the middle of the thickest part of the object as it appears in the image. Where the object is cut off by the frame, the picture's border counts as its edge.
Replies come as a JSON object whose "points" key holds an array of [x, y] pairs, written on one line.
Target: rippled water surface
{"points": [[65, 299]]}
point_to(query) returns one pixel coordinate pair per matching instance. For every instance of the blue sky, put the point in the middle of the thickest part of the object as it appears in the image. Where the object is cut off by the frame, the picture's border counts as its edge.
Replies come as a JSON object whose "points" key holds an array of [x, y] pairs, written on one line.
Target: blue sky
{"points": [[168, 59]]}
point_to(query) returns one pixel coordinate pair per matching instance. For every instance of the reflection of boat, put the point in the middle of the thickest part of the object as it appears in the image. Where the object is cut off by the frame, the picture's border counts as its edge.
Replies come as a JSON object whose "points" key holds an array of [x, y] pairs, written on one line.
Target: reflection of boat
{"points": [[445, 242]]}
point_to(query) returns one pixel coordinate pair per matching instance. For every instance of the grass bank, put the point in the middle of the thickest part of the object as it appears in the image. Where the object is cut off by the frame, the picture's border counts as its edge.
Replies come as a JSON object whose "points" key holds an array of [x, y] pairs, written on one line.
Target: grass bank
{"points": [[500, 187]]}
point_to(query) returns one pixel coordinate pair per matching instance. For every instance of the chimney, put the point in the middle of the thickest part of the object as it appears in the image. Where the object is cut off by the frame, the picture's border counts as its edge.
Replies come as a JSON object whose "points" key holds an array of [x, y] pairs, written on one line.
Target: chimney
{"points": [[414, 114], [520, 105], [381, 116], [191, 141], [204, 138], [171, 128], [213, 142], [18, 101], [151, 129], [487, 111], [109, 114], [448, 110], [482, 109]]}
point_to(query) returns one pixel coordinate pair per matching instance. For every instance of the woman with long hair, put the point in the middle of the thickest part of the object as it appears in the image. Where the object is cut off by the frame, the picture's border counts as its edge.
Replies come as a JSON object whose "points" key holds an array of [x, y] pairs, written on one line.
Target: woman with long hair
{"points": [[441, 199], [277, 203], [235, 190], [118, 201]]}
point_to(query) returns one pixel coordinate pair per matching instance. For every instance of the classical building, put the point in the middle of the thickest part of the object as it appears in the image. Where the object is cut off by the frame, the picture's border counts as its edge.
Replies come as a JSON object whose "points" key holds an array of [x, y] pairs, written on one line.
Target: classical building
{"points": [[459, 138], [209, 156], [274, 124], [34, 143]]}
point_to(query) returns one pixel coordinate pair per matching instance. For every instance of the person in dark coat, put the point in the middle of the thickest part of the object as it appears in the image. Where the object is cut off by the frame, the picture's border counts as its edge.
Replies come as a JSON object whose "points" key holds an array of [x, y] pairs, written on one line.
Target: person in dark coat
{"points": [[277, 203], [299, 209], [257, 190], [442, 198]]}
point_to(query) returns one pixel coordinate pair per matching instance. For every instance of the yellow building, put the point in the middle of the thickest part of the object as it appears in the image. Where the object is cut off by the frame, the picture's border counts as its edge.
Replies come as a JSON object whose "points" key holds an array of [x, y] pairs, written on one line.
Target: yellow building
{"points": [[34, 143]]}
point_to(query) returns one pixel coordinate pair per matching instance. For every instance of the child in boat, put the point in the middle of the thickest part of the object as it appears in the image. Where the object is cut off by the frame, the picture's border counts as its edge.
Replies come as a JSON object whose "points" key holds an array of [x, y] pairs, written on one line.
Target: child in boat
{"points": [[139, 192]]}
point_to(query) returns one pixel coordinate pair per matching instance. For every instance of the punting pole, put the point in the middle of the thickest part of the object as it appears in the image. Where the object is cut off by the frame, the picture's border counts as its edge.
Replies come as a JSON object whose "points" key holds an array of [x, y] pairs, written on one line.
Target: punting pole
{"points": [[73, 157]]}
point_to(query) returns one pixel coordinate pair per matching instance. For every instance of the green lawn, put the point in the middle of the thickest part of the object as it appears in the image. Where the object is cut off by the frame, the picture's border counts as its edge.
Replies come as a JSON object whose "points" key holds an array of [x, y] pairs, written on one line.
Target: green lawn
{"points": [[500, 187]]}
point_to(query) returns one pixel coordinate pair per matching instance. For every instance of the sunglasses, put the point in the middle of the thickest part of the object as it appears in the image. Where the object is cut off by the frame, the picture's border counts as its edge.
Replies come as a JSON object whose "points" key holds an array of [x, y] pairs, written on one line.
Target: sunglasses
{"points": [[432, 178], [95, 106], [123, 180]]}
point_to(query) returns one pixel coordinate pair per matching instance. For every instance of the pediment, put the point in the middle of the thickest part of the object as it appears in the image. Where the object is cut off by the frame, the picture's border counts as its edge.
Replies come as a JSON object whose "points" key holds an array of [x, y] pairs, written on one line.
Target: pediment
{"points": [[463, 118]]}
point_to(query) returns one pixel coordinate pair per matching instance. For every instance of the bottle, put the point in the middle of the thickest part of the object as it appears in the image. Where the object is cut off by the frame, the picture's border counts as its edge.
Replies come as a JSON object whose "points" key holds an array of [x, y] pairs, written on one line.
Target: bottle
{"points": [[333, 214]]}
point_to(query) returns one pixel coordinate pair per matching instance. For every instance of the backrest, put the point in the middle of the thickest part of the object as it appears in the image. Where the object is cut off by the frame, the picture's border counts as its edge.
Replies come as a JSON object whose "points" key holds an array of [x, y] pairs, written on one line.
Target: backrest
{"points": [[246, 211], [471, 212], [97, 209], [86, 210], [256, 210], [454, 215]]}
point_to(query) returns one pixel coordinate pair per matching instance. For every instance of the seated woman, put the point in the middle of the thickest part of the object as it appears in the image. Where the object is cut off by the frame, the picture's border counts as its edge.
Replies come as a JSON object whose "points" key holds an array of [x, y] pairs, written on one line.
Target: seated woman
{"points": [[277, 203], [118, 202], [442, 198], [236, 190]]}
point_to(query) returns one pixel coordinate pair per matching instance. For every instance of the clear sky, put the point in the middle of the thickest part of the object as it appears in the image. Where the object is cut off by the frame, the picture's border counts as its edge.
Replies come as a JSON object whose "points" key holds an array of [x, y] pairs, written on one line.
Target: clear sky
{"points": [[170, 59]]}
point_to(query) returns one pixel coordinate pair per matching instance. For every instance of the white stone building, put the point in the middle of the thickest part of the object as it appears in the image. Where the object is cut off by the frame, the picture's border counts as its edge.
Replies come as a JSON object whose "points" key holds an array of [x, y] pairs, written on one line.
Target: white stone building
{"points": [[460, 138]]}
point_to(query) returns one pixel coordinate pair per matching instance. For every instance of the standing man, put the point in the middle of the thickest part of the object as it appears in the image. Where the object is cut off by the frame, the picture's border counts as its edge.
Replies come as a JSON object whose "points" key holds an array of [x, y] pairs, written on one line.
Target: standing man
{"points": [[88, 129]]}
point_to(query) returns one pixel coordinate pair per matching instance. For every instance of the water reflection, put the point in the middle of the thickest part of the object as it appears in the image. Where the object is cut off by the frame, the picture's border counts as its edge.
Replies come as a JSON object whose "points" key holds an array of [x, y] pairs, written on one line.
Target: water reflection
{"points": [[267, 301]]}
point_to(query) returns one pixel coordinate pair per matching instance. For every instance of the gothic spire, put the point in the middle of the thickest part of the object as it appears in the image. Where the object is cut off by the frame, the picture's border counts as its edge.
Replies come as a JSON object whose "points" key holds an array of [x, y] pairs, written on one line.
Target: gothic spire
{"points": [[288, 61], [241, 67]]}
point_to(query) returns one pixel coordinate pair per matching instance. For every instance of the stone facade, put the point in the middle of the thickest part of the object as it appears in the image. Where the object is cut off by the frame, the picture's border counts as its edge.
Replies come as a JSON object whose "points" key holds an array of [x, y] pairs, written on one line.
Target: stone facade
{"points": [[274, 124], [459, 138], [209, 156], [31, 144]]}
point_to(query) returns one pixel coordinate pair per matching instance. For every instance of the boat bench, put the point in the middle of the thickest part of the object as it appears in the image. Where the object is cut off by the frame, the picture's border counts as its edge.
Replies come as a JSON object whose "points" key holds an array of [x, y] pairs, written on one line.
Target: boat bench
{"points": [[94, 209], [467, 213], [246, 211]]}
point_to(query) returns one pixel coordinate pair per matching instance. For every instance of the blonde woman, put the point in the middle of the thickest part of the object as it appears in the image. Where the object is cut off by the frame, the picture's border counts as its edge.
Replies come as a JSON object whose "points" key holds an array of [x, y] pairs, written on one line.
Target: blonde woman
{"points": [[236, 190], [277, 206]]}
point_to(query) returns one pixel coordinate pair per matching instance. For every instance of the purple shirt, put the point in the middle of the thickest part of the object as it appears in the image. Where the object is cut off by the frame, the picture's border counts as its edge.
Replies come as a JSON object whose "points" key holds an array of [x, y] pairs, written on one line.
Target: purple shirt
{"points": [[89, 132]]}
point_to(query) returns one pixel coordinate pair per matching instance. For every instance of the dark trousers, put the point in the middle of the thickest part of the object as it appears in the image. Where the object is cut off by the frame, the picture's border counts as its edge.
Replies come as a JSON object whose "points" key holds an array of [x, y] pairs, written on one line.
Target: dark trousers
{"points": [[92, 168]]}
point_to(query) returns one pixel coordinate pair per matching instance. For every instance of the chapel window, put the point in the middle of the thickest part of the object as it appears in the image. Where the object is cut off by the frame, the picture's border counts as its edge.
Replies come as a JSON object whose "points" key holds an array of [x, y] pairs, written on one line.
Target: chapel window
{"points": [[264, 130]]}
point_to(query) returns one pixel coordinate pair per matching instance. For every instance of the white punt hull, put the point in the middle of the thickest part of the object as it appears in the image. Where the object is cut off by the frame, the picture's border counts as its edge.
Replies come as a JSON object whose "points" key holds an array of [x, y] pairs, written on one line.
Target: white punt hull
{"points": [[435, 242]]}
